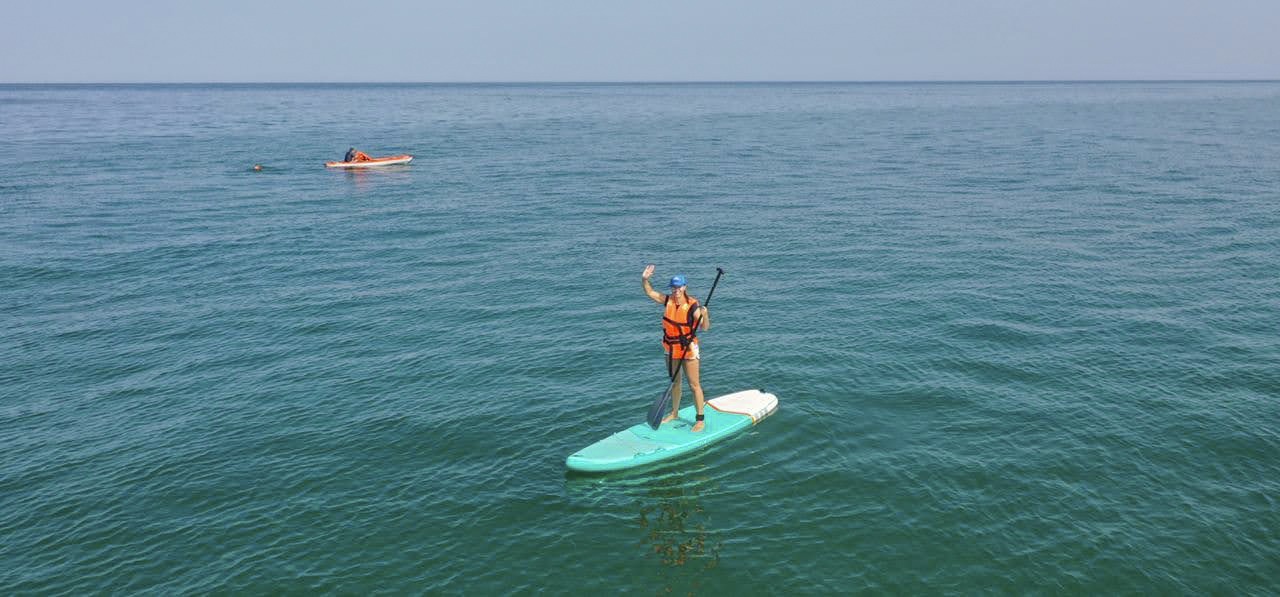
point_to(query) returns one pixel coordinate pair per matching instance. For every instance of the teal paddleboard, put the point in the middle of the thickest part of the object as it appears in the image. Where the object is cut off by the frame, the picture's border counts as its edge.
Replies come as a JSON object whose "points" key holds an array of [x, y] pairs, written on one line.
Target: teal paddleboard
{"points": [[641, 444]]}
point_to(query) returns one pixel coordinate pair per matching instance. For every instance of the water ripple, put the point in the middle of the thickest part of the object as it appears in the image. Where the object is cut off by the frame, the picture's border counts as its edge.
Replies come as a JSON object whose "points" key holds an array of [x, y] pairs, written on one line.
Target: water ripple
{"points": [[1023, 337]]}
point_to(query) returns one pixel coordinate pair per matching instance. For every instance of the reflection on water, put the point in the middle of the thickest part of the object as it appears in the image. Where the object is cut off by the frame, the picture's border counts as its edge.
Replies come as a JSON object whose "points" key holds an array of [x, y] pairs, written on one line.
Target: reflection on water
{"points": [[675, 529], [366, 178]]}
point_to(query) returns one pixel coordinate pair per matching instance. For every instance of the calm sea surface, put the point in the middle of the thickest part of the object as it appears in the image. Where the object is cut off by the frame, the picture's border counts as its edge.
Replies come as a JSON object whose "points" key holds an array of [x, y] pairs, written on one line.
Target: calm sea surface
{"points": [[1025, 337]]}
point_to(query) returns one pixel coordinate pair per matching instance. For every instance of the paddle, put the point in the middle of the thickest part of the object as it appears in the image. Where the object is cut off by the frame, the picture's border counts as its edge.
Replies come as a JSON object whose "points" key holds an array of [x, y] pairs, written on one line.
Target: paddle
{"points": [[660, 407]]}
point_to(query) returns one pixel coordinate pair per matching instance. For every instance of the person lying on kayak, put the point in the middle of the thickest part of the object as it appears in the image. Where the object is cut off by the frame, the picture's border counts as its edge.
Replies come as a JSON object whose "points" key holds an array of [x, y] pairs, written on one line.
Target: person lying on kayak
{"points": [[356, 156]]}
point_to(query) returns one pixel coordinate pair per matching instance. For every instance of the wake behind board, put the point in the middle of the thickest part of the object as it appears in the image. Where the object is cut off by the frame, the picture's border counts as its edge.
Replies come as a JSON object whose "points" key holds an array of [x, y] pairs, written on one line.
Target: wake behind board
{"points": [[640, 444]]}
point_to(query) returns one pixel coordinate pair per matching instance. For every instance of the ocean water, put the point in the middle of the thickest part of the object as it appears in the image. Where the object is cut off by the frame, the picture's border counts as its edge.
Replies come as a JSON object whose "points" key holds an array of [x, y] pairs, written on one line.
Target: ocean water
{"points": [[1024, 338]]}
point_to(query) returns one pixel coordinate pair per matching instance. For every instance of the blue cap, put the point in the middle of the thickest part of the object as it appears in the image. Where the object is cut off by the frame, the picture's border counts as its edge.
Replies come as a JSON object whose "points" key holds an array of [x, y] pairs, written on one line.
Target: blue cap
{"points": [[677, 281]]}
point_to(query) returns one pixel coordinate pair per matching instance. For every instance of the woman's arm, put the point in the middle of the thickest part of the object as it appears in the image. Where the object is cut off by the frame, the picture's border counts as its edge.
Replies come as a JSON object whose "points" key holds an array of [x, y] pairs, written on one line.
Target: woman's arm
{"points": [[648, 289]]}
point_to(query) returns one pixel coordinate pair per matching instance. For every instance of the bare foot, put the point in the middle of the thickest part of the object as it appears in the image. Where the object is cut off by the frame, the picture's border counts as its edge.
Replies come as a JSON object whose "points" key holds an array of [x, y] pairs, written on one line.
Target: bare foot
{"points": [[669, 418], [697, 427]]}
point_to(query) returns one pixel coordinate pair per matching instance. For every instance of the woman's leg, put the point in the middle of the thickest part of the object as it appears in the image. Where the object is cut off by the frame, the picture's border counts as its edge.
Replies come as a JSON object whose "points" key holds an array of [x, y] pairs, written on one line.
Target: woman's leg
{"points": [[674, 365], [691, 367]]}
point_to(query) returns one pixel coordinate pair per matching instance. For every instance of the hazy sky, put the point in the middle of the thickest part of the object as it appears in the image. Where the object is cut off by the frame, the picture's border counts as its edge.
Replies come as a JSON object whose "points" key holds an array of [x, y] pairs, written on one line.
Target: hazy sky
{"points": [[641, 40]]}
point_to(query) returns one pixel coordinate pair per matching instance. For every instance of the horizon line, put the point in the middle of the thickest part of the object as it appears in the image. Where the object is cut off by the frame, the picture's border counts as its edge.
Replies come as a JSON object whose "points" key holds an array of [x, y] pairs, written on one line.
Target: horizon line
{"points": [[648, 82]]}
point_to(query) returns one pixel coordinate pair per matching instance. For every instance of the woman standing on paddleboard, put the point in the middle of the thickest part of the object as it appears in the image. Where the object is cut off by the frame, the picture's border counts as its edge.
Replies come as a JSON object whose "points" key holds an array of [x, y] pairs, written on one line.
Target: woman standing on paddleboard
{"points": [[681, 315]]}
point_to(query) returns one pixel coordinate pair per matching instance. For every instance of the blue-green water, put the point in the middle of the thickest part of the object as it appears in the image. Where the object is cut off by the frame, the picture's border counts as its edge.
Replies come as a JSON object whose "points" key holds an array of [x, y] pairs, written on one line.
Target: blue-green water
{"points": [[1024, 337]]}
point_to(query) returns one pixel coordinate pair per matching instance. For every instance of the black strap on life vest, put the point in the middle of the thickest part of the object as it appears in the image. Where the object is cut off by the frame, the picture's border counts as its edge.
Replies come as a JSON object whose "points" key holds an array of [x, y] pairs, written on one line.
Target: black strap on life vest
{"points": [[683, 340]]}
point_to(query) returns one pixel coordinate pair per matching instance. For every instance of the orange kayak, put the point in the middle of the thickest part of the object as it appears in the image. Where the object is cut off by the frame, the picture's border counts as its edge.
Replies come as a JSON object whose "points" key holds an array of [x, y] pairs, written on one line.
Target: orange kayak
{"points": [[386, 161]]}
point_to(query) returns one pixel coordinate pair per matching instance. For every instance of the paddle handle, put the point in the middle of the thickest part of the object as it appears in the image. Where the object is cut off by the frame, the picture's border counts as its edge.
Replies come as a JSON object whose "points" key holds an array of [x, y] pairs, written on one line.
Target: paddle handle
{"points": [[719, 272]]}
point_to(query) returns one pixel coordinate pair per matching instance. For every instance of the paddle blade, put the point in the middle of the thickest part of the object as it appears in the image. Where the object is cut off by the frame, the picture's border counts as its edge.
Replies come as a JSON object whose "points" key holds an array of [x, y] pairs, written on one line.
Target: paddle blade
{"points": [[659, 408]]}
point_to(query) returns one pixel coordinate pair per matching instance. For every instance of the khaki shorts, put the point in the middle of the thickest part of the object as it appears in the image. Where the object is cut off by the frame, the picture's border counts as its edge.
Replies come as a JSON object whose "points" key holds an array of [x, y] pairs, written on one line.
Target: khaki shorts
{"points": [[693, 353]]}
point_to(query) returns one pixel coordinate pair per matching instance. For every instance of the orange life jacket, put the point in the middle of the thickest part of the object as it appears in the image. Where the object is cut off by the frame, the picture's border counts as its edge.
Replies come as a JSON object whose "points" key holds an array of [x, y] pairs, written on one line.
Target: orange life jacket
{"points": [[678, 323], [361, 157]]}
